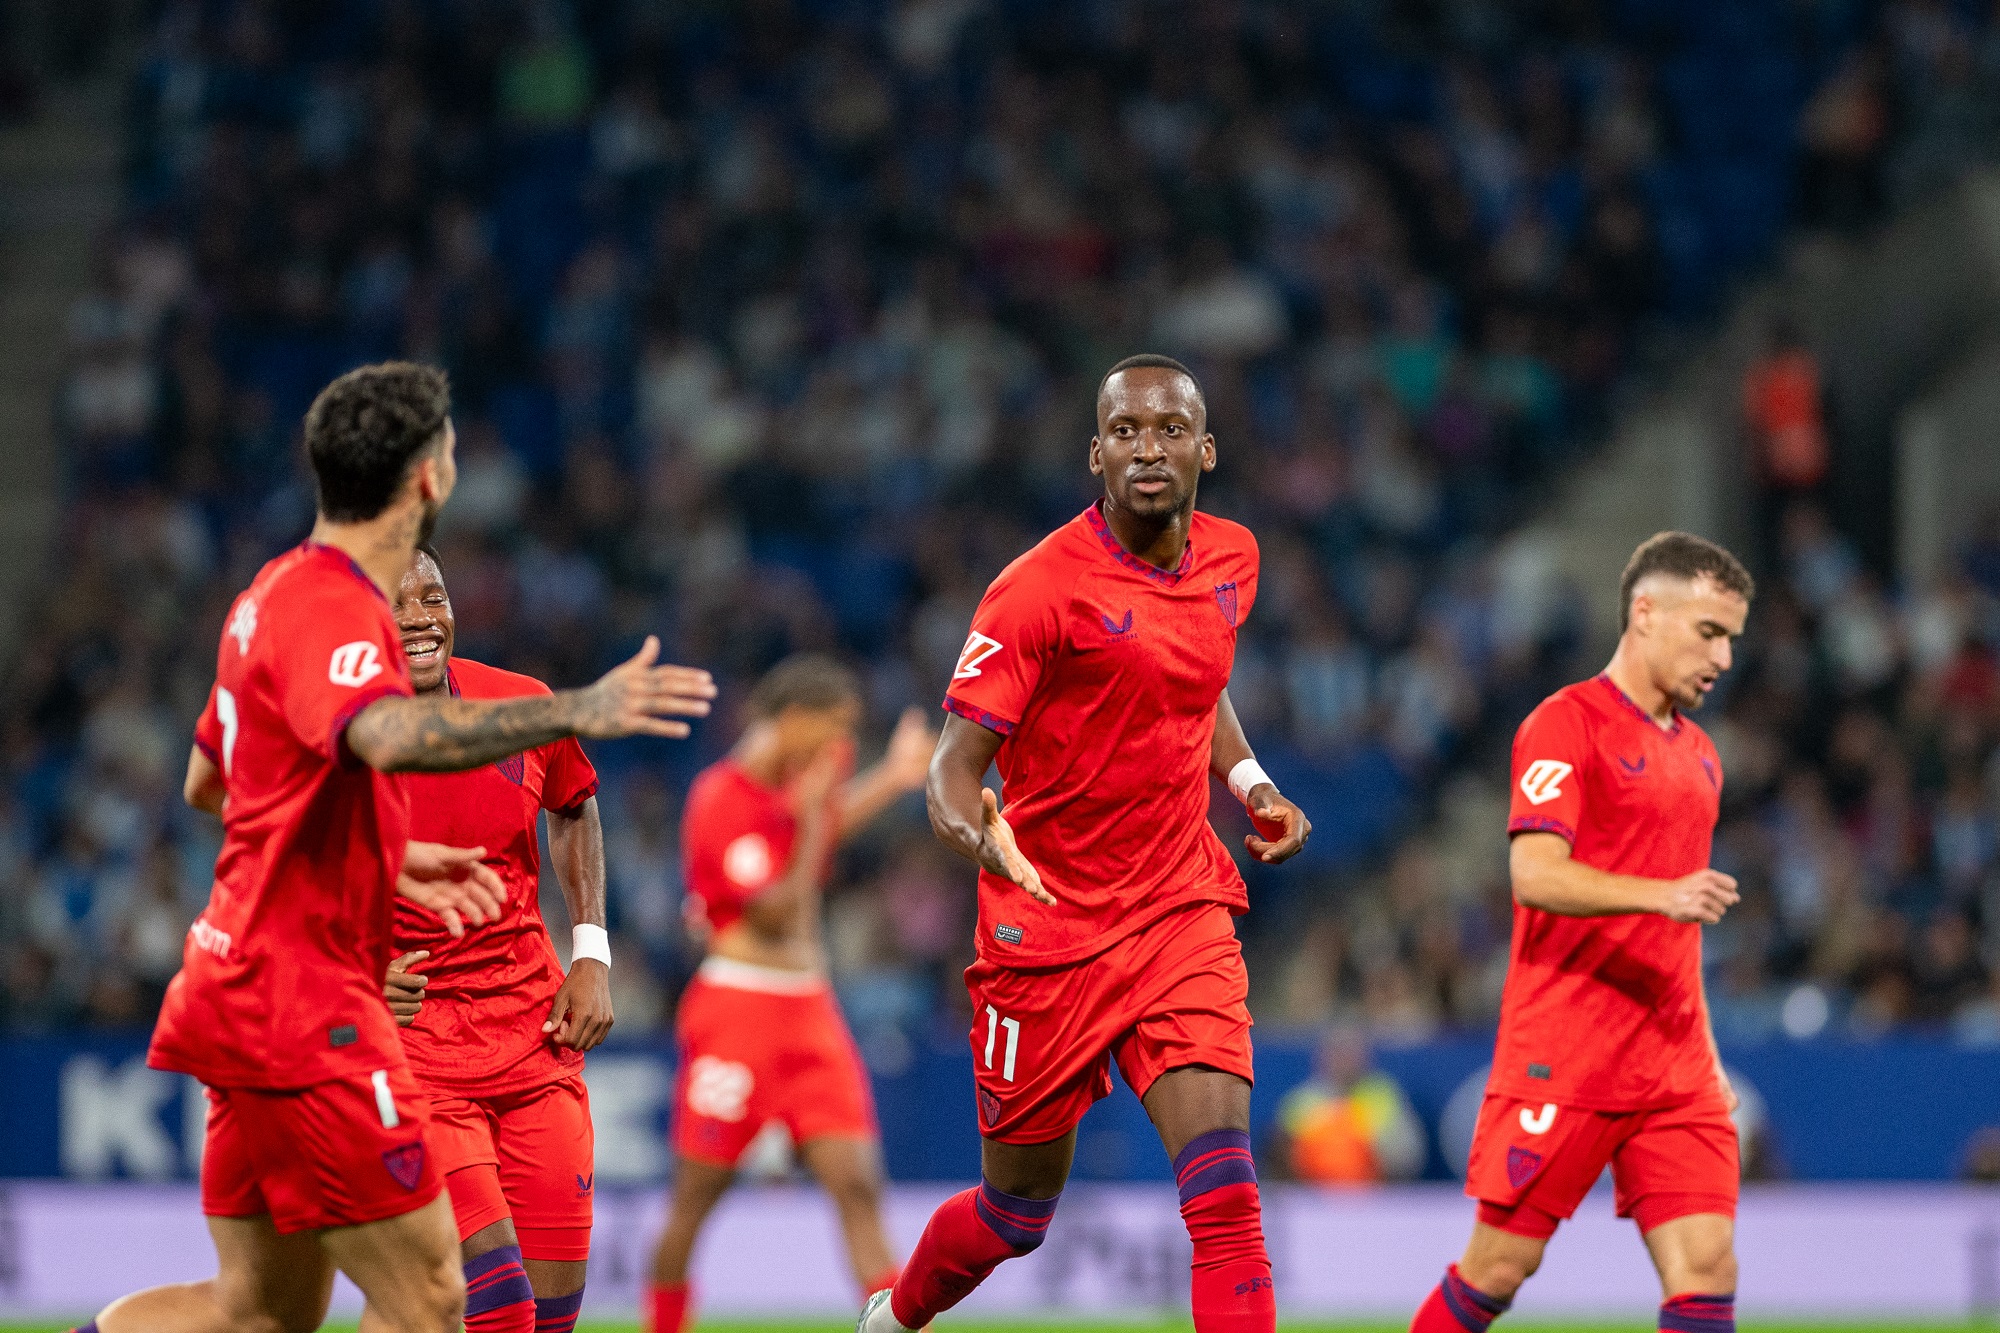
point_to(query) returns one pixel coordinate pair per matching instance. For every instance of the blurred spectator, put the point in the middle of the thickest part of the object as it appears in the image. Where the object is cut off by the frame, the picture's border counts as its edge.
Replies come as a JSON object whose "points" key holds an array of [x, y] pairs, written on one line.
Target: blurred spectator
{"points": [[1785, 414], [1350, 1124]]}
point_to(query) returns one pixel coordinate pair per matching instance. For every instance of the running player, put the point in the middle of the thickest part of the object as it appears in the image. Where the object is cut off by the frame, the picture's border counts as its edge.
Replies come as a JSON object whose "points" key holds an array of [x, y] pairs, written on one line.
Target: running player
{"points": [[316, 1156], [494, 1032], [1095, 674], [1605, 1055], [761, 1038]]}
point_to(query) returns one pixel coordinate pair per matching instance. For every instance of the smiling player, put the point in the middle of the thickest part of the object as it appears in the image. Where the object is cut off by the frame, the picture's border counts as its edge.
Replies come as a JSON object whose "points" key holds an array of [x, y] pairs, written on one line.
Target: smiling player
{"points": [[1095, 675], [1605, 1056], [494, 1031]]}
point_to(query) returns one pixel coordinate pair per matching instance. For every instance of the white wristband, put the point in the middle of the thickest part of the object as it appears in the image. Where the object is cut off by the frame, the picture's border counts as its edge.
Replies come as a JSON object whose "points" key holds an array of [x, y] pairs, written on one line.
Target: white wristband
{"points": [[1247, 774], [590, 942]]}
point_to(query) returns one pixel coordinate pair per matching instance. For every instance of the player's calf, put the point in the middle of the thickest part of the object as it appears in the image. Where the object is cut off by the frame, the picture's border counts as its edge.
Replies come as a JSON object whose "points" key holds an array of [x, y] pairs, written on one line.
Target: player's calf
{"points": [[970, 1235], [1232, 1287]]}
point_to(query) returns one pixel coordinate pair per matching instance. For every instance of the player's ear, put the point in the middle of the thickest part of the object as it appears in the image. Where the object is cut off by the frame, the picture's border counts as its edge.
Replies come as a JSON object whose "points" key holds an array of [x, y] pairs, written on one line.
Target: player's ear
{"points": [[1208, 453], [1096, 457]]}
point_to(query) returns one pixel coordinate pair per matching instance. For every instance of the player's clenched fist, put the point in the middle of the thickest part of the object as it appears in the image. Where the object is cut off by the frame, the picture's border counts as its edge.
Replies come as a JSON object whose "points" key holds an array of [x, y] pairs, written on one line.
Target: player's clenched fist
{"points": [[999, 853], [1703, 896], [404, 988], [639, 697], [452, 883]]}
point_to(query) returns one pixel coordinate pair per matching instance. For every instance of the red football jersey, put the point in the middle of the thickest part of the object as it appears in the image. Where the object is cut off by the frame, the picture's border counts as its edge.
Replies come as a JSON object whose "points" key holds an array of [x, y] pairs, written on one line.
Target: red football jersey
{"points": [[1103, 673], [1606, 1012], [281, 978], [736, 841], [479, 1032]]}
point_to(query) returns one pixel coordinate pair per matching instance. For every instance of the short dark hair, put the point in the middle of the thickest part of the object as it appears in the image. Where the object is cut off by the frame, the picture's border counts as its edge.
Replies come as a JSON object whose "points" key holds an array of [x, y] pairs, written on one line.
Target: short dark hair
{"points": [[812, 681], [366, 428], [430, 552], [1682, 555], [1153, 361]]}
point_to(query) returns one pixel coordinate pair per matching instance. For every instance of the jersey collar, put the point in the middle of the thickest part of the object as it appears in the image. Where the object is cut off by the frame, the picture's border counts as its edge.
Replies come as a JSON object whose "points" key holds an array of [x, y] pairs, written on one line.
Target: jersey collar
{"points": [[353, 565], [1625, 700], [1116, 550]]}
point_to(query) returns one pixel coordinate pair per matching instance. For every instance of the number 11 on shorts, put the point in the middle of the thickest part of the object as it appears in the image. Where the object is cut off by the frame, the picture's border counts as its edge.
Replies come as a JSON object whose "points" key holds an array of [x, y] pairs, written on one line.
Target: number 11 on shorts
{"points": [[993, 1025]]}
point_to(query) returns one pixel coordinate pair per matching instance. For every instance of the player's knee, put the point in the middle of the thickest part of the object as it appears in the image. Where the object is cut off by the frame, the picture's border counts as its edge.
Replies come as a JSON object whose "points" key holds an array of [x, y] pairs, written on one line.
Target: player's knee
{"points": [[1707, 1269], [438, 1300], [1500, 1273], [855, 1191]]}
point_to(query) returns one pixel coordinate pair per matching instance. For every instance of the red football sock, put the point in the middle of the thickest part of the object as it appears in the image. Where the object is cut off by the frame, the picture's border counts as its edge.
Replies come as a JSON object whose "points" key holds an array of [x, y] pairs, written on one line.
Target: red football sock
{"points": [[966, 1238], [1232, 1273], [1456, 1306], [670, 1303], [498, 1298], [886, 1278]]}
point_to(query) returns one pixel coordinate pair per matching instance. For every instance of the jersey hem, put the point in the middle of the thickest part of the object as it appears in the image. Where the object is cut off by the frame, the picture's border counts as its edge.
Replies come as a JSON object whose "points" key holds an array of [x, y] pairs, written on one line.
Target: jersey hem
{"points": [[473, 1090], [1605, 1105], [1237, 905], [336, 735], [359, 1064], [1541, 824], [576, 803]]}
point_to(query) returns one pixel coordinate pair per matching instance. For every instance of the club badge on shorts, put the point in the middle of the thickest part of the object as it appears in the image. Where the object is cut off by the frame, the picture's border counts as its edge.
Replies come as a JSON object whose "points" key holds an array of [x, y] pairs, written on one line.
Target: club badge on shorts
{"points": [[1521, 1166], [406, 1164]]}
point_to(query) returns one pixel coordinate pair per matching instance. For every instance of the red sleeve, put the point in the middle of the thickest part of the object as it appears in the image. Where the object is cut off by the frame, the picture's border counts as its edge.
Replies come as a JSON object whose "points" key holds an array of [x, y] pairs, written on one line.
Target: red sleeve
{"points": [[208, 731], [1551, 753], [1015, 634], [569, 780], [339, 655]]}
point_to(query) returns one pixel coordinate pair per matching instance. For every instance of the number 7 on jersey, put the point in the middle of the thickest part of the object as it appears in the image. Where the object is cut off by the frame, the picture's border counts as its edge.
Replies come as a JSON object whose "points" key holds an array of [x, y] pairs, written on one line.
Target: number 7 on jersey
{"points": [[994, 1022]]}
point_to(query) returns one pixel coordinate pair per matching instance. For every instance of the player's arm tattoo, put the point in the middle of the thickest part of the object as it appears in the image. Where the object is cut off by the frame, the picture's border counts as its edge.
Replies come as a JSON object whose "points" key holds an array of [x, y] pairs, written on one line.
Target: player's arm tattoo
{"points": [[404, 735], [576, 850]]}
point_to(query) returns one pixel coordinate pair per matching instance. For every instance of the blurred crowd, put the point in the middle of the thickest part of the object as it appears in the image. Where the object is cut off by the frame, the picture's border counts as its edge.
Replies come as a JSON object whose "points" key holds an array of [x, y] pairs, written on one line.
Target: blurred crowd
{"points": [[775, 325]]}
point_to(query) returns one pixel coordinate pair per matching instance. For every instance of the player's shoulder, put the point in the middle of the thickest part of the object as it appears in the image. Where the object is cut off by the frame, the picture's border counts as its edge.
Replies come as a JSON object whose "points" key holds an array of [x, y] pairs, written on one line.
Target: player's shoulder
{"points": [[1212, 532], [1577, 707], [311, 579], [477, 680], [1048, 568]]}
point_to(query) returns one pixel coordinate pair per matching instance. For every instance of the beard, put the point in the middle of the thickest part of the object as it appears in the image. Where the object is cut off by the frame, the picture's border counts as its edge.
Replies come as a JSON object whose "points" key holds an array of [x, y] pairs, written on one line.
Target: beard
{"points": [[427, 525], [1690, 699]]}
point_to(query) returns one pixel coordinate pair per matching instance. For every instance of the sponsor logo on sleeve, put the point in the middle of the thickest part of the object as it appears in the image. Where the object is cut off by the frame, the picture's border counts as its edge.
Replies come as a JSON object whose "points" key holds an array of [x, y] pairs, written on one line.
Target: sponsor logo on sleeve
{"points": [[1543, 780], [748, 861], [354, 664], [977, 649]]}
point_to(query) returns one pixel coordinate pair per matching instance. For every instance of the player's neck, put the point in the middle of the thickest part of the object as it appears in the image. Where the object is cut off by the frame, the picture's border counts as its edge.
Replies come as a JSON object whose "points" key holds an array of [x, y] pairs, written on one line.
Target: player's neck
{"points": [[1160, 542], [758, 754], [1629, 674], [383, 546]]}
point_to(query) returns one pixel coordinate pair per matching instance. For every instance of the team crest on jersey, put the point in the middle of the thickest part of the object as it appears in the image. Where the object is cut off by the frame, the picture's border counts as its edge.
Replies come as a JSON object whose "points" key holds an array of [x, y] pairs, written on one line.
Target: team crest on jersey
{"points": [[354, 664], [1521, 1166], [1225, 601], [406, 1164], [1543, 780], [514, 768], [243, 624], [977, 649], [989, 1107]]}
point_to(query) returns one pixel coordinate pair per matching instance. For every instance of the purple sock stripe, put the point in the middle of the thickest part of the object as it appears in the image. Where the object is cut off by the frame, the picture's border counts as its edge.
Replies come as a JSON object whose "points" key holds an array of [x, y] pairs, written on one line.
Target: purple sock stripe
{"points": [[557, 1314], [1217, 1158], [1699, 1314], [1468, 1304], [496, 1280], [1020, 1222]]}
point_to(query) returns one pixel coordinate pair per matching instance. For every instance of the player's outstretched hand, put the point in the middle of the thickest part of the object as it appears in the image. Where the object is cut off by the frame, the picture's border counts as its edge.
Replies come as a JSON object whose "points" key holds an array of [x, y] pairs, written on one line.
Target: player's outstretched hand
{"points": [[580, 1018], [453, 883], [405, 988], [1703, 896], [1282, 828], [908, 758], [999, 853], [640, 697]]}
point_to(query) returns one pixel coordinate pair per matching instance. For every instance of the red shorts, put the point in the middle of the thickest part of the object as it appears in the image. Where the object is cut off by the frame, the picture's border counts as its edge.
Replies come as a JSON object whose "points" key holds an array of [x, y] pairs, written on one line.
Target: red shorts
{"points": [[757, 1045], [525, 1155], [1171, 994], [1532, 1163], [336, 1154]]}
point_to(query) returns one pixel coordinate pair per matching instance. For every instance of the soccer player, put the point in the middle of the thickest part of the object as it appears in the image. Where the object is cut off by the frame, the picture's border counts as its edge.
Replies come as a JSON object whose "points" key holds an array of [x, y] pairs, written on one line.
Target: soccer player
{"points": [[1095, 673], [316, 1156], [1605, 1054], [494, 1031], [761, 1038]]}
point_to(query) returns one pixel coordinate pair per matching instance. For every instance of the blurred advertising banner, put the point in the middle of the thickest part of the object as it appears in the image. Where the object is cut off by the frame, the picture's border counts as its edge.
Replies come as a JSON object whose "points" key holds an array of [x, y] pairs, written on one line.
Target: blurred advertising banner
{"points": [[1896, 1109], [1840, 1250]]}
